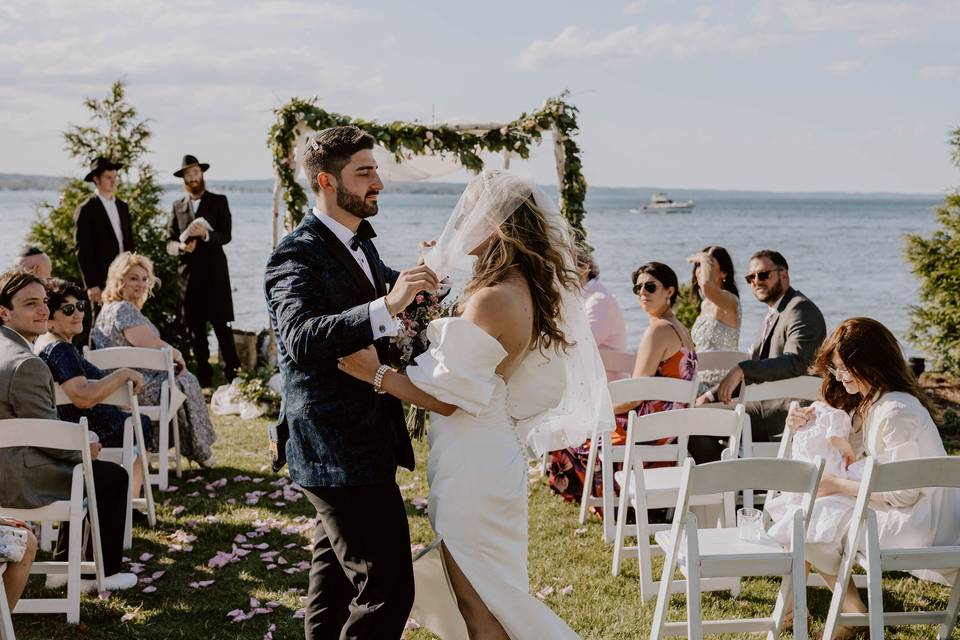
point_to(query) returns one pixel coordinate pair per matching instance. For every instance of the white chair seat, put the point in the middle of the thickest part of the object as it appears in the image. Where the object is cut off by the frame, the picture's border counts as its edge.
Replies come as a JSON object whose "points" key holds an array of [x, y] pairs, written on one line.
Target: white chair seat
{"points": [[720, 545]]}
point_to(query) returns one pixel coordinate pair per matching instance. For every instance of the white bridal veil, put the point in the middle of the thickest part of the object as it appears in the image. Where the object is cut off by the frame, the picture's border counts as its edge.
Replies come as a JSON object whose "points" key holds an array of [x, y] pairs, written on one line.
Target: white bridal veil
{"points": [[559, 398]]}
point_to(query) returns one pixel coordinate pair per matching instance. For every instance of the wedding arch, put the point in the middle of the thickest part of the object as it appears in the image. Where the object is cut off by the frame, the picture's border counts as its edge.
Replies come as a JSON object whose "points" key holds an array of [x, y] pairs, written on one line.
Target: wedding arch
{"points": [[409, 142]]}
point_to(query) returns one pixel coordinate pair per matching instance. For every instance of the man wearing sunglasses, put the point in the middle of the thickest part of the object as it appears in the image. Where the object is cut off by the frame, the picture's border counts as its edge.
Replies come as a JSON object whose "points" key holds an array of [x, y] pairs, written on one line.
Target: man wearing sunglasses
{"points": [[786, 344]]}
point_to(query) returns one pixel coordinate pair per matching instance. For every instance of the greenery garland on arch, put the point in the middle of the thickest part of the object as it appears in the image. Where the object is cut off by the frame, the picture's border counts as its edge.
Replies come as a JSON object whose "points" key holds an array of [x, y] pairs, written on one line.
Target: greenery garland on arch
{"points": [[406, 139]]}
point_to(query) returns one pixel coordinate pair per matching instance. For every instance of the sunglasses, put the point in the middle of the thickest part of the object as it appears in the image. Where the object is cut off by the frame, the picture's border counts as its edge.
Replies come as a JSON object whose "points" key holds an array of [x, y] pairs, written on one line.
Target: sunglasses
{"points": [[69, 308], [842, 375], [759, 276], [649, 286]]}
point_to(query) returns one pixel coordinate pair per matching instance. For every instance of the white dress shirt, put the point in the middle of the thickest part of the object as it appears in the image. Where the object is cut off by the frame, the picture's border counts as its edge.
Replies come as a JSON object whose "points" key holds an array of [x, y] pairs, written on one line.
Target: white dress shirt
{"points": [[194, 205], [114, 216], [382, 323]]}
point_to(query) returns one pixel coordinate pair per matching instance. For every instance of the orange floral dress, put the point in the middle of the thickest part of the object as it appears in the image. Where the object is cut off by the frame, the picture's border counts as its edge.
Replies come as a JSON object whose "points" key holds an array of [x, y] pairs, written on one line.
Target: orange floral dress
{"points": [[568, 467]]}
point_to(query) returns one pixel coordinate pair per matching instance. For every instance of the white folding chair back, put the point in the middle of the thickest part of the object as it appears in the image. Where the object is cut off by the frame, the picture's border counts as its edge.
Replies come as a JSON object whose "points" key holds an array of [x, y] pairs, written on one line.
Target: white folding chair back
{"points": [[126, 400], [799, 388], [654, 488], [720, 360], [67, 436], [164, 414], [618, 361], [628, 390], [863, 548], [6, 622], [704, 554]]}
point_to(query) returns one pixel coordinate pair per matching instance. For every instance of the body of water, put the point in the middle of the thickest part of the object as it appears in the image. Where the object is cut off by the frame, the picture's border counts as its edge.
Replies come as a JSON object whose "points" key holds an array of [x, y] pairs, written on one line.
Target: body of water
{"points": [[845, 253]]}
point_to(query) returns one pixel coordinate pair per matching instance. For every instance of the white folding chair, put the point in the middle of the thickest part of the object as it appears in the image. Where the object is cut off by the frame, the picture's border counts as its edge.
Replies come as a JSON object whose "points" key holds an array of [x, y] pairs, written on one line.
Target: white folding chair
{"points": [[629, 390], [863, 548], [657, 488], [6, 622], [67, 436], [164, 414], [719, 360], [701, 554], [799, 388], [126, 400]]}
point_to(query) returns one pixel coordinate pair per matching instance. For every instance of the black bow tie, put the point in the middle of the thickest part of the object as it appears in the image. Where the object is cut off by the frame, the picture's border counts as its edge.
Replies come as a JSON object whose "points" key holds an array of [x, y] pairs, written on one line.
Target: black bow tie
{"points": [[364, 232]]}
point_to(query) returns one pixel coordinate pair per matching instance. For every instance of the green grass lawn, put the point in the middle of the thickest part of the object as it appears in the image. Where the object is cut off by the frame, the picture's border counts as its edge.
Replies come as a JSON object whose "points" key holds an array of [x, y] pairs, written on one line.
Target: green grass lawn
{"points": [[598, 607]]}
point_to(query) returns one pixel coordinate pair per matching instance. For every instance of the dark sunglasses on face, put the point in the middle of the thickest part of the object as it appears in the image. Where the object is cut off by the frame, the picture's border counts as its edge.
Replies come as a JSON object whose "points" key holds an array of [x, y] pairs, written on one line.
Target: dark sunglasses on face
{"points": [[649, 286], [69, 308], [759, 276]]}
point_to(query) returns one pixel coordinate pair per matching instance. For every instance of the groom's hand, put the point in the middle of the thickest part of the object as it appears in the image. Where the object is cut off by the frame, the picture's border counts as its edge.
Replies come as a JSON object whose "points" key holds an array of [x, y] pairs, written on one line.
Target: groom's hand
{"points": [[408, 285]]}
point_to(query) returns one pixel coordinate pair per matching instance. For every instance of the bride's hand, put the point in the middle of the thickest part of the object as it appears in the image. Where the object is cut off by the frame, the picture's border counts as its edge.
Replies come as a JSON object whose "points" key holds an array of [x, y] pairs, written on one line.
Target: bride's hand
{"points": [[362, 365], [423, 247]]}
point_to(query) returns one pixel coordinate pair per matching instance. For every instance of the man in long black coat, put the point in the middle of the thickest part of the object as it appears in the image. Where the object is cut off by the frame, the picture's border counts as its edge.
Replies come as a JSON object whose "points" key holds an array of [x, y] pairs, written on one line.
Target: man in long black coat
{"points": [[101, 227], [204, 273]]}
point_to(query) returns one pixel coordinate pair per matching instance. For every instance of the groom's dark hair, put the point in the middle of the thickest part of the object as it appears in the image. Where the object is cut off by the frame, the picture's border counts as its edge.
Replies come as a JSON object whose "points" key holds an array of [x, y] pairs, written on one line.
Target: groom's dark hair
{"points": [[330, 150]]}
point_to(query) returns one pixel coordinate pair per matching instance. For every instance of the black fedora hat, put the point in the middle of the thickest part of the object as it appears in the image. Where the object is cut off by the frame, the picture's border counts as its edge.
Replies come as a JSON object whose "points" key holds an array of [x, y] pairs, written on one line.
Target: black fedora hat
{"points": [[98, 166], [190, 161]]}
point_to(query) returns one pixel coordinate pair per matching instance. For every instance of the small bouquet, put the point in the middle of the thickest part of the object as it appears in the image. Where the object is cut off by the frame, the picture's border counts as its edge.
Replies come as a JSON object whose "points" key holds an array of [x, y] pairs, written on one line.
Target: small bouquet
{"points": [[13, 540], [411, 341]]}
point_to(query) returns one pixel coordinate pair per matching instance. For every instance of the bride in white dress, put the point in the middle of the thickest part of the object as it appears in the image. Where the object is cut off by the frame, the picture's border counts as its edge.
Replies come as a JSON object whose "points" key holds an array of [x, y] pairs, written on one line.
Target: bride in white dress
{"points": [[517, 370]]}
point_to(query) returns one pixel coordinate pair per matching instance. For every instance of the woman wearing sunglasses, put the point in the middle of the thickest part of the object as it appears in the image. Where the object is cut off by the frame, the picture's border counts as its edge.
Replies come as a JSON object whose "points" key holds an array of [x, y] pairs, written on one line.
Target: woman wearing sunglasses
{"points": [[865, 374], [666, 349], [82, 382]]}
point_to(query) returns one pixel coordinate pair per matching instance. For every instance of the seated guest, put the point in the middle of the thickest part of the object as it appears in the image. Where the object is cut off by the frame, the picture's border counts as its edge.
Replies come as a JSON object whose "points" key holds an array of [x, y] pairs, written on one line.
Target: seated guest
{"points": [[789, 337], [120, 323], [717, 327], [34, 260], [866, 376], [16, 574], [82, 382], [666, 349], [603, 311], [32, 477]]}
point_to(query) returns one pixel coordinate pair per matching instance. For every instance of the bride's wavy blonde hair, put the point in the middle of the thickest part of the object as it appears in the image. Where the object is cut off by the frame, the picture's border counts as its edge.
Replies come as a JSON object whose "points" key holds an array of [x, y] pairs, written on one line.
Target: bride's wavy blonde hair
{"points": [[526, 243]]}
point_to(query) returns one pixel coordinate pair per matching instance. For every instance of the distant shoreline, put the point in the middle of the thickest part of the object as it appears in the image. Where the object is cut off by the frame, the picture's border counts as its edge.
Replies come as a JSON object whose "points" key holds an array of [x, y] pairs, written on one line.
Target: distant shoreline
{"points": [[27, 182]]}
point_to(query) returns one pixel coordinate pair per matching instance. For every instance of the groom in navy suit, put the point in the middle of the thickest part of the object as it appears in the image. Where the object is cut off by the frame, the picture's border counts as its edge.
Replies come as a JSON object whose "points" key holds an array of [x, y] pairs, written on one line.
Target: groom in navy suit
{"points": [[329, 295]]}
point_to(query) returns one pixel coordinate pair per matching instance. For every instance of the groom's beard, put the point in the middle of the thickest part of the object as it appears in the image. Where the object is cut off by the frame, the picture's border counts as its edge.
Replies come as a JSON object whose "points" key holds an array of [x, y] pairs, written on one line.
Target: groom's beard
{"points": [[357, 205], [195, 187]]}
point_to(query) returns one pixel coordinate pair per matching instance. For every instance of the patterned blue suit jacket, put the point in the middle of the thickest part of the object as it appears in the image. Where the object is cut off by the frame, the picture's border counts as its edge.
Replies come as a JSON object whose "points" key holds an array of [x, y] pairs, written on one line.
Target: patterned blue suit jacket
{"points": [[342, 433]]}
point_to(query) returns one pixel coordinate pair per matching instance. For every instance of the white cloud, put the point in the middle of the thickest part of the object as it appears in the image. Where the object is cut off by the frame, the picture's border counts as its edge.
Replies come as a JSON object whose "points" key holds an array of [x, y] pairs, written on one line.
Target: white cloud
{"points": [[644, 43], [844, 66], [939, 72], [635, 8]]}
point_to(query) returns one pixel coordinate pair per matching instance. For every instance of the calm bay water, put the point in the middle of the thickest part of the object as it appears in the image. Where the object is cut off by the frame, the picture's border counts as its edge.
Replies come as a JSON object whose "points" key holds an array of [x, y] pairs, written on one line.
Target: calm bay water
{"points": [[846, 254]]}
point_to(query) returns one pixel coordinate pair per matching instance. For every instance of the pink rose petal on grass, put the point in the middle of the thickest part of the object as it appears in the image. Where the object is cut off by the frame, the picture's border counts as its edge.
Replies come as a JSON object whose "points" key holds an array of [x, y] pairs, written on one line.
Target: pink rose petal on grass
{"points": [[146, 557], [104, 595], [127, 617], [202, 584], [178, 510], [149, 589], [411, 624], [543, 593], [299, 614], [567, 590], [419, 503], [157, 575]]}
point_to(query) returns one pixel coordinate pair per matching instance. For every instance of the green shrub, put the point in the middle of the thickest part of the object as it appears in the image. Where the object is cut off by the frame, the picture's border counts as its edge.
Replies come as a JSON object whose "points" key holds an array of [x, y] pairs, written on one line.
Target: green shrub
{"points": [[687, 306], [935, 322], [115, 133]]}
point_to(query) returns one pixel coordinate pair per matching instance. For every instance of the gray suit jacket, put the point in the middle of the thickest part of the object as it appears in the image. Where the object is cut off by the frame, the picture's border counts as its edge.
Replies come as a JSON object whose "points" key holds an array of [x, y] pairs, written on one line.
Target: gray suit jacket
{"points": [[29, 477], [786, 352]]}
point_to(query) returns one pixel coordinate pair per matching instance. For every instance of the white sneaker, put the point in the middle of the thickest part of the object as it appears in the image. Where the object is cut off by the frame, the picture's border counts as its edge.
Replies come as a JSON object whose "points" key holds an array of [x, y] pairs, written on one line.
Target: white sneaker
{"points": [[116, 582]]}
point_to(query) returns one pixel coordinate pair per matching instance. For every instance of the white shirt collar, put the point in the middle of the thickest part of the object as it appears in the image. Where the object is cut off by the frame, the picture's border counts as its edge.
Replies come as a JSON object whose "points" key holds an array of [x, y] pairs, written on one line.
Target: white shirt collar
{"points": [[104, 199], [29, 342], [771, 309], [342, 232]]}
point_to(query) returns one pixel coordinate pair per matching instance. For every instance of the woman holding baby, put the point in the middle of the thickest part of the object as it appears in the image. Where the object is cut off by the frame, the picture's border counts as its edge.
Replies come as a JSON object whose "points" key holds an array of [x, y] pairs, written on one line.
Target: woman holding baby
{"points": [[867, 379]]}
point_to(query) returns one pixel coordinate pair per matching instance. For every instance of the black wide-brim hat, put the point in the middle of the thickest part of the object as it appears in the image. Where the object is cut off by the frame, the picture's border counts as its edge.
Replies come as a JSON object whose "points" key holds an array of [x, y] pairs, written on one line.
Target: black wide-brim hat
{"points": [[99, 165], [190, 161]]}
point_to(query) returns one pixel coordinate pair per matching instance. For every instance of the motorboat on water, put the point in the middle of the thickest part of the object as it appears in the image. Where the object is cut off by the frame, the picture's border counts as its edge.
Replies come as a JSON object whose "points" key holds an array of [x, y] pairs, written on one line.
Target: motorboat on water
{"points": [[660, 202]]}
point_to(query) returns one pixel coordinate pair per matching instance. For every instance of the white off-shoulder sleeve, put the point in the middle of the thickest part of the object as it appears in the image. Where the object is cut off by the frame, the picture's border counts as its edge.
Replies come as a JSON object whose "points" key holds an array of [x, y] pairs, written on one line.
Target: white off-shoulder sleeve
{"points": [[836, 422], [899, 429], [460, 366]]}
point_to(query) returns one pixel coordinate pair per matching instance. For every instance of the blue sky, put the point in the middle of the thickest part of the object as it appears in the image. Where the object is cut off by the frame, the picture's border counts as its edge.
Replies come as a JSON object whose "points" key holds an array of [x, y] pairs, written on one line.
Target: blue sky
{"points": [[796, 95]]}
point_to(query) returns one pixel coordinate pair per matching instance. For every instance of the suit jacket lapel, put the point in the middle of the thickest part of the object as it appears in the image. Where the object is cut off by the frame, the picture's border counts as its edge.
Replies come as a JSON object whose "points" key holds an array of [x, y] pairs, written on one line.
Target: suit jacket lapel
{"points": [[123, 211], [341, 253], [381, 287], [768, 343], [106, 229]]}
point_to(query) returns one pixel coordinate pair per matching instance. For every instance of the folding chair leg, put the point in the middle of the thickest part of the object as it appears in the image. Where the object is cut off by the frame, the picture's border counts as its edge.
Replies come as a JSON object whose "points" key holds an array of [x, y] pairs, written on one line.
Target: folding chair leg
{"points": [[75, 557], [874, 579], [694, 615], [619, 533], [176, 445], [799, 577], [609, 487], [780, 608], [6, 624], [644, 557], [951, 611], [588, 479]]}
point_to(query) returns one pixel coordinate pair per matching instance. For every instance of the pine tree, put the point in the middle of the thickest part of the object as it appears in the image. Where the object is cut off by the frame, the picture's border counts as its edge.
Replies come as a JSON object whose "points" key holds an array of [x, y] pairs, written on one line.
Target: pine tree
{"points": [[935, 322], [115, 133]]}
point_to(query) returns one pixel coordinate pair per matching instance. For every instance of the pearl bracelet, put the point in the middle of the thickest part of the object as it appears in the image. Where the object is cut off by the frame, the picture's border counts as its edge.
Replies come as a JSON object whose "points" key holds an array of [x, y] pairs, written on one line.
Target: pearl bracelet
{"points": [[378, 378]]}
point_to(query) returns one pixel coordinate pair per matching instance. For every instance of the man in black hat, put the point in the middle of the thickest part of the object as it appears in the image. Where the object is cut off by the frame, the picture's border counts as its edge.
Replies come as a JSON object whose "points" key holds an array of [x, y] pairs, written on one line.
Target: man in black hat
{"points": [[101, 227], [199, 227]]}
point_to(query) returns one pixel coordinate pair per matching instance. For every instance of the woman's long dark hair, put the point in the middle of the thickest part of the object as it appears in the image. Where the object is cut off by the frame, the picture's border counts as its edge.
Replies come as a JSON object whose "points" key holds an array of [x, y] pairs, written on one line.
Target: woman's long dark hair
{"points": [[871, 353], [725, 262]]}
